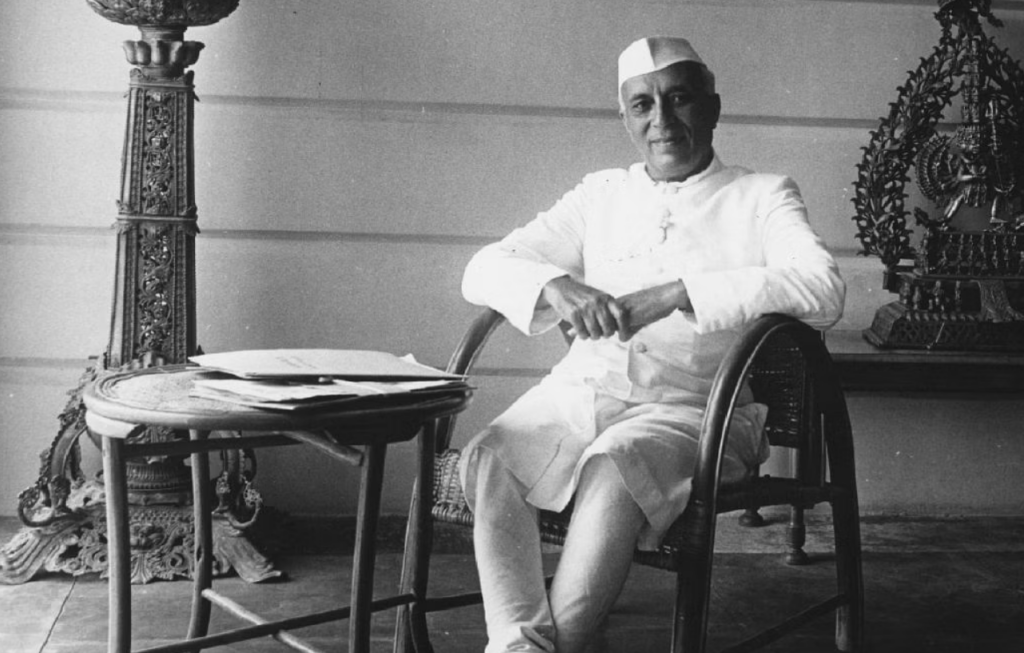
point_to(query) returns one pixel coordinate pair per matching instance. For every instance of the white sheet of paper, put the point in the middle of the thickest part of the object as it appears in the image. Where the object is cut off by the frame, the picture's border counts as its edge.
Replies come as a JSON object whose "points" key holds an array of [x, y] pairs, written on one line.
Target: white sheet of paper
{"points": [[335, 363], [261, 390], [280, 395]]}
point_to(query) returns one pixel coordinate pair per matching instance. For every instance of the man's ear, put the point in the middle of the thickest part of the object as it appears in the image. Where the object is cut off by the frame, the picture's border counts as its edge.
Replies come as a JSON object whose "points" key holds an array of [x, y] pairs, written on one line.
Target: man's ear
{"points": [[622, 119], [715, 109]]}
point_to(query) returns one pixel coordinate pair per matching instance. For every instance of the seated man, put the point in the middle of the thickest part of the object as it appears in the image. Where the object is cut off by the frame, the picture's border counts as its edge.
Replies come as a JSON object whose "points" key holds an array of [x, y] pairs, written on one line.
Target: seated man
{"points": [[657, 267]]}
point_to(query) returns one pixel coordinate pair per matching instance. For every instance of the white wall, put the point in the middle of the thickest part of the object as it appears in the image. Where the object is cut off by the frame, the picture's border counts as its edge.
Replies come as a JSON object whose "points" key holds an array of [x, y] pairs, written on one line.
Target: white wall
{"points": [[351, 156]]}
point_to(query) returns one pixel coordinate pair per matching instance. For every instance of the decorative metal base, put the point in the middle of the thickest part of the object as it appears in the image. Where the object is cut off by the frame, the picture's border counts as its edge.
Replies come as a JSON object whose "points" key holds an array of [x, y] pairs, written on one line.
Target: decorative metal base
{"points": [[162, 544], [898, 327], [65, 520]]}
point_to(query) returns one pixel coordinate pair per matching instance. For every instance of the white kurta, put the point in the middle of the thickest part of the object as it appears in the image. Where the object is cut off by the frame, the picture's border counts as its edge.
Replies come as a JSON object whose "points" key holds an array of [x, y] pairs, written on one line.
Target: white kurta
{"points": [[742, 245]]}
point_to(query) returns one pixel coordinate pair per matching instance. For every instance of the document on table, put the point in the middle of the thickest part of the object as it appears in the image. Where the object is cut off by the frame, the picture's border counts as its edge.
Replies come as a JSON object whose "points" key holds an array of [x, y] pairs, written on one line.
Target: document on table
{"points": [[352, 364], [285, 395], [296, 379]]}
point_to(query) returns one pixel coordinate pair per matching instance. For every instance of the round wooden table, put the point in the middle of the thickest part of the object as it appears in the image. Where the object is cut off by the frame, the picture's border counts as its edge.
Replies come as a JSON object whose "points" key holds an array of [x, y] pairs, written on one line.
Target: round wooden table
{"points": [[121, 405]]}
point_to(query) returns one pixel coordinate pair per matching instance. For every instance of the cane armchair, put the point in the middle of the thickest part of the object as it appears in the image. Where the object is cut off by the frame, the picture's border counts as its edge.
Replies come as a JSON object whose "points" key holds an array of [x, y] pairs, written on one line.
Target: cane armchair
{"points": [[788, 368]]}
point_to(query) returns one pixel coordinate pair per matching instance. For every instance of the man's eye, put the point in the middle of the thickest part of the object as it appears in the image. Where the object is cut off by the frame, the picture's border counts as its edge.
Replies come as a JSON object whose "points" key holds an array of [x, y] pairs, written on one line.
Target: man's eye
{"points": [[681, 99], [641, 106]]}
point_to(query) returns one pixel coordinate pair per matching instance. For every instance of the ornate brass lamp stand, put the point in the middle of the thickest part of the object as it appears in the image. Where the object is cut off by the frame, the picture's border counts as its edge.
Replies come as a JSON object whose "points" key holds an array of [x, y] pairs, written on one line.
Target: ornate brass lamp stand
{"points": [[965, 289], [153, 322]]}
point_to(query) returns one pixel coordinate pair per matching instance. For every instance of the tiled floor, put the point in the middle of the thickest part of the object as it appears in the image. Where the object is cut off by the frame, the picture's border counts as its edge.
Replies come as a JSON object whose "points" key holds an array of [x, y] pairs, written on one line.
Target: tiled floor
{"points": [[933, 586]]}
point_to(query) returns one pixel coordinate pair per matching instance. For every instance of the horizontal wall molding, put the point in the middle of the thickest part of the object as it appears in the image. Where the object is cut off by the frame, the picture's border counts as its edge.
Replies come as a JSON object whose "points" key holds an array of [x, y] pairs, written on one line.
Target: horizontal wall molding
{"points": [[392, 110], [997, 5], [349, 236], [43, 362], [28, 232]]}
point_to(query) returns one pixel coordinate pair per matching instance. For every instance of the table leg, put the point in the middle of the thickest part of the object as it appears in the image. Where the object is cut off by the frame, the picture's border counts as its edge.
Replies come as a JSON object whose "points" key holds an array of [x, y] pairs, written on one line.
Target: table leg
{"points": [[119, 618], [199, 622], [365, 548]]}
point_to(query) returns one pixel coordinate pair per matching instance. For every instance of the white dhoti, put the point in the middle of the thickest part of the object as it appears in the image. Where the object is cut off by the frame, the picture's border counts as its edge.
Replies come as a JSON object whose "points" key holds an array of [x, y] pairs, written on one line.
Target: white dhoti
{"points": [[629, 466]]}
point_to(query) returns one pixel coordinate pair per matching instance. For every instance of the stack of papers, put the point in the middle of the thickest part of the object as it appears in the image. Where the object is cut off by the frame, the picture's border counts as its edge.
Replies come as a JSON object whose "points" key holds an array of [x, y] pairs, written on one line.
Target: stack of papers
{"points": [[296, 379]]}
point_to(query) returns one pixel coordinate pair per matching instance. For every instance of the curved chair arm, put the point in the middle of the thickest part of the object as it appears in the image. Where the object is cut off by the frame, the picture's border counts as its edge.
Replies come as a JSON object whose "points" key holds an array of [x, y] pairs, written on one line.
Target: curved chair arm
{"points": [[462, 361], [472, 343], [728, 383]]}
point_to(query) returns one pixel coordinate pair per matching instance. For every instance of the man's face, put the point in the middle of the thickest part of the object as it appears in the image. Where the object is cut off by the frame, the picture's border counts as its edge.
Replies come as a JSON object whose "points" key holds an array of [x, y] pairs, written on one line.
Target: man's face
{"points": [[671, 118]]}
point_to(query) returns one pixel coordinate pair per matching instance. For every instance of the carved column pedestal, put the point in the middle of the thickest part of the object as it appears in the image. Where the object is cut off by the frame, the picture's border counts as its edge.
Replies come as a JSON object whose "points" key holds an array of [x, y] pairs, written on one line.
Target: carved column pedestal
{"points": [[153, 322]]}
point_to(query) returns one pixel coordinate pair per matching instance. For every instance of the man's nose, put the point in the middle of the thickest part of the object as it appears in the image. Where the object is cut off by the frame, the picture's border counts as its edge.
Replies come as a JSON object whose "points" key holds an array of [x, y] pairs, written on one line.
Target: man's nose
{"points": [[662, 114]]}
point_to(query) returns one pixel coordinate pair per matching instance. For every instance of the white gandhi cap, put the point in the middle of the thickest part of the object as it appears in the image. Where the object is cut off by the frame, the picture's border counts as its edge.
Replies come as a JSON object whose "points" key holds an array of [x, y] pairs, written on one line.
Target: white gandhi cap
{"points": [[651, 54]]}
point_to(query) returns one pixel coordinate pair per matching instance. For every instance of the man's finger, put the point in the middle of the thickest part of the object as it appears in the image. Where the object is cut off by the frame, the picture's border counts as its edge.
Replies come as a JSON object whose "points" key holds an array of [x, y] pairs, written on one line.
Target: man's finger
{"points": [[594, 326], [580, 327], [607, 320], [621, 317]]}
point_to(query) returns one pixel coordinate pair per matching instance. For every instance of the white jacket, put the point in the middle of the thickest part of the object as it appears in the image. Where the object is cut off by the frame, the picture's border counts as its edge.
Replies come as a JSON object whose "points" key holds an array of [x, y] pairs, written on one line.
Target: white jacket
{"points": [[739, 241]]}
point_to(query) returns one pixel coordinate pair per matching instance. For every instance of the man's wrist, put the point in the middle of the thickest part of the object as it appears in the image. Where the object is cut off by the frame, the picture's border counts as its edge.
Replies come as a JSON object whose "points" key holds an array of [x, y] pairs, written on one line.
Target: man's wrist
{"points": [[682, 297], [551, 287]]}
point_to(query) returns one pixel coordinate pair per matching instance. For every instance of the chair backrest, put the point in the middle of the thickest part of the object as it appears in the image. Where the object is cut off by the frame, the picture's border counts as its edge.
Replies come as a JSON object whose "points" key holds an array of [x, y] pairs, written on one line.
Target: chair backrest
{"points": [[779, 378]]}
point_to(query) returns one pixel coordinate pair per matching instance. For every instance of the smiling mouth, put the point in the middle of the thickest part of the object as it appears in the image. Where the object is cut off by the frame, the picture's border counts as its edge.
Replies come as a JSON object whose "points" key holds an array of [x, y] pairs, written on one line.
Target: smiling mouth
{"points": [[669, 141]]}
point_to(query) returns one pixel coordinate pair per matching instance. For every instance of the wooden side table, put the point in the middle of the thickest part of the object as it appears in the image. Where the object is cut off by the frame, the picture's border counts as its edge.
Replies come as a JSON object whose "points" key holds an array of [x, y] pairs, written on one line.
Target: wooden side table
{"points": [[122, 404]]}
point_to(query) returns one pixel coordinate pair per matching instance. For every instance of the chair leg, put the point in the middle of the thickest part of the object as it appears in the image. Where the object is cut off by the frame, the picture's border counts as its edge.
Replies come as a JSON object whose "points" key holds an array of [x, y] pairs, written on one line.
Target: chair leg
{"points": [[693, 583], [751, 518], [849, 578], [418, 547], [846, 530], [797, 537], [411, 632], [403, 635]]}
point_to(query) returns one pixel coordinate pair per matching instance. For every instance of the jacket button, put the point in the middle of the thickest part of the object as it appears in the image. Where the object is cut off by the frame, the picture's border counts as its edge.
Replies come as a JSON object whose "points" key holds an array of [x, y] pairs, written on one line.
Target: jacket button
{"points": [[641, 348]]}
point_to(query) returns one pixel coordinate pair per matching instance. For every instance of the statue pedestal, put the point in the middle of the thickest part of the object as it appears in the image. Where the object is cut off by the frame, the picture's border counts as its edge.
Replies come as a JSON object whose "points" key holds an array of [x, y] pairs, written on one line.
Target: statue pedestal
{"points": [[898, 327], [966, 293]]}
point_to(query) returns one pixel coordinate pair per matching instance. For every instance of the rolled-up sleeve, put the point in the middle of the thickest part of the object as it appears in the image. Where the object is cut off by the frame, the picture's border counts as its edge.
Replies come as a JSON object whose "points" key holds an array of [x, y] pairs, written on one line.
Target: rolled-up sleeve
{"points": [[509, 275]]}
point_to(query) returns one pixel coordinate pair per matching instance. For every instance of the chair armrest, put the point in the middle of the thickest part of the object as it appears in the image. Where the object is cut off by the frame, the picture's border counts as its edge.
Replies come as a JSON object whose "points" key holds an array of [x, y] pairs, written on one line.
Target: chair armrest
{"points": [[729, 381], [462, 361], [472, 343]]}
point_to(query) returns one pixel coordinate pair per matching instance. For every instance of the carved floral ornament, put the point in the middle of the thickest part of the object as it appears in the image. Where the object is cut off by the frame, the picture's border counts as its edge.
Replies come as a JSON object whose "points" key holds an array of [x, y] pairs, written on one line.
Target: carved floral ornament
{"points": [[164, 13], [980, 165], [163, 51]]}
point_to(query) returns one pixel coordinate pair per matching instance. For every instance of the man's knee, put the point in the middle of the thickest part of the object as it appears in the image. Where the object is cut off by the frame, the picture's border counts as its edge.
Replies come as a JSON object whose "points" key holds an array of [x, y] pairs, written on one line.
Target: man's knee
{"points": [[480, 459], [486, 479], [600, 481]]}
